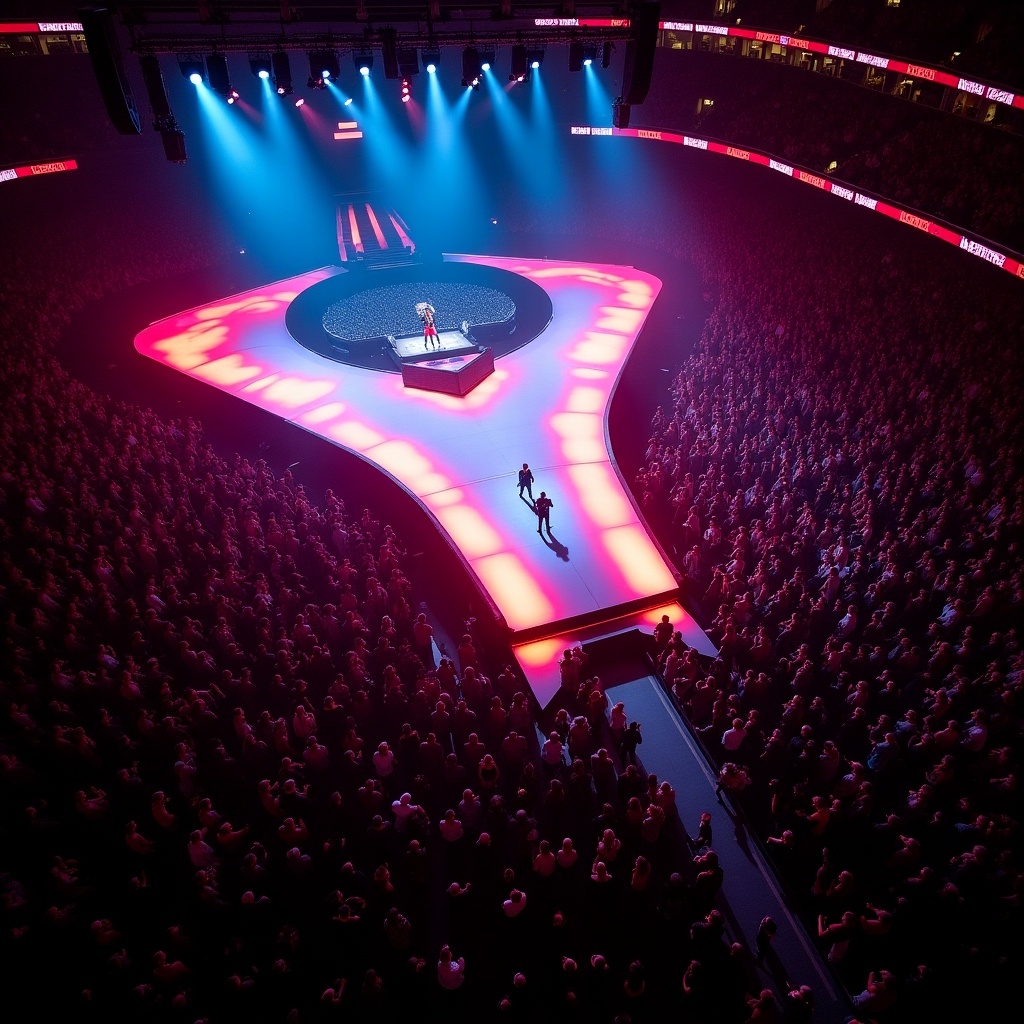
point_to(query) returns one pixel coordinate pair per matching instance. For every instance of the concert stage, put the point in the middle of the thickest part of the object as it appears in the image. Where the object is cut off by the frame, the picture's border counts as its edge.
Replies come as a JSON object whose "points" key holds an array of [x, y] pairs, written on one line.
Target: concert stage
{"points": [[545, 403]]}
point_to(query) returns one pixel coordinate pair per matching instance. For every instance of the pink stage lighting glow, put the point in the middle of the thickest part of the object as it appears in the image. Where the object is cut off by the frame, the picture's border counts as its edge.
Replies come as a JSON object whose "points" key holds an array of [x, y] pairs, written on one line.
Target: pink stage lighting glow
{"points": [[545, 404]]}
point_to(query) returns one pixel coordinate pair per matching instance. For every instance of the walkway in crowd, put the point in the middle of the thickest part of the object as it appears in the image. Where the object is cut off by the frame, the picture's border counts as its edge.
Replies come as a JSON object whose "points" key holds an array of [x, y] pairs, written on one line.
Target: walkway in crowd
{"points": [[749, 890]]}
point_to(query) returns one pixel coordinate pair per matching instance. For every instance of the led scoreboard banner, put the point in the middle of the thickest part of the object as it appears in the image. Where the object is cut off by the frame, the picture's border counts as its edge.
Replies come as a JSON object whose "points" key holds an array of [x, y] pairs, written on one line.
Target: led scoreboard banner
{"points": [[32, 170], [983, 249], [23, 28]]}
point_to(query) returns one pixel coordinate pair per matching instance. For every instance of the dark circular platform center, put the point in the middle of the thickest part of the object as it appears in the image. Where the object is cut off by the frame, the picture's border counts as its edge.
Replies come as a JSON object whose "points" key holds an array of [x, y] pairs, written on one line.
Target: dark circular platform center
{"points": [[391, 309]]}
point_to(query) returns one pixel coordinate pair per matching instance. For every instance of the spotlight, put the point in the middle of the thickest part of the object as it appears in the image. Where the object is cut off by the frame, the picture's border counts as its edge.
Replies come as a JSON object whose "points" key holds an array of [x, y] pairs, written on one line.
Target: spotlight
{"points": [[300, 102], [589, 55], [431, 68], [282, 68], [406, 89], [217, 71], [486, 60], [534, 58], [348, 102], [191, 66], [259, 64], [231, 99], [363, 60], [470, 66], [323, 65], [431, 60]]}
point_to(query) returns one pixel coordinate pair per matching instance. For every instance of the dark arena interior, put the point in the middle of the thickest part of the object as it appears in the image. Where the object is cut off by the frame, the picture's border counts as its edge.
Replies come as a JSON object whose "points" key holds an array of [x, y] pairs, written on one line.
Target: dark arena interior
{"points": [[511, 511]]}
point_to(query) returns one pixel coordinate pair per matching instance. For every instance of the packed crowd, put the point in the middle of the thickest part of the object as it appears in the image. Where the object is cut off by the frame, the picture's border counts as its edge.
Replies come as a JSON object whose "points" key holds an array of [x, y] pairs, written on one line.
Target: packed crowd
{"points": [[391, 309], [236, 779], [839, 473], [963, 172], [49, 128], [238, 782]]}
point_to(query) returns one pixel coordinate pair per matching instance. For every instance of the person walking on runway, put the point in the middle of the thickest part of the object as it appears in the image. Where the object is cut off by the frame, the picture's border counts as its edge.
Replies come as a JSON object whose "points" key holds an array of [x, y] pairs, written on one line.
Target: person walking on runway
{"points": [[526, 481], [543, 506]]}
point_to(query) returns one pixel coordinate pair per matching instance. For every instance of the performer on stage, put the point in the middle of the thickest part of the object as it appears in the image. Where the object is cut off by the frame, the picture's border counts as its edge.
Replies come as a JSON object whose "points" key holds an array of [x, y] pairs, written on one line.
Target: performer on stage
{"points": [[425, 311]]}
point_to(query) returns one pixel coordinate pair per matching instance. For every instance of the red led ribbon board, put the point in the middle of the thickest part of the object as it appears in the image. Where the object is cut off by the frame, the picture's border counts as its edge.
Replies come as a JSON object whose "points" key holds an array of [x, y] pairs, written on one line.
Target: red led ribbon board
{"points": [[982, 248], [33, 170]]}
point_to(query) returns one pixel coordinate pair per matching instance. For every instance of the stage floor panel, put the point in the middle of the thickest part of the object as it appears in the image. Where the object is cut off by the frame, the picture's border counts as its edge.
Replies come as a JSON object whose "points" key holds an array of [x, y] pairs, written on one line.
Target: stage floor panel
{"points": [[413, 346], [545, 404]]}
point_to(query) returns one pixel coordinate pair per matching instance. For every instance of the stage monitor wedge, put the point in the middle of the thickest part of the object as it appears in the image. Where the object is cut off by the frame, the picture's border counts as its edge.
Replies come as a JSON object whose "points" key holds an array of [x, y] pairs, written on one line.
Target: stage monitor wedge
{"points": [[108, 64], [639, 62]]}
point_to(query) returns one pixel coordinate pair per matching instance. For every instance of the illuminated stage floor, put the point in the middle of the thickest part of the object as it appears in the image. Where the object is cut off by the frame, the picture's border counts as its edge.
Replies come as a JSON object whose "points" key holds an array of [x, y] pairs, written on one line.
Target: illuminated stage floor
{"points": [[545, 404], [447, 341]]}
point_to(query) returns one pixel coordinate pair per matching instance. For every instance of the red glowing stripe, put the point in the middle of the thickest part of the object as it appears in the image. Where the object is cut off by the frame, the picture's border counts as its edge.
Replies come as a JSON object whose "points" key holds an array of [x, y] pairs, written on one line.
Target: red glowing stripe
{"points": [[581, 22], [32, 170], [381, 240], [357, 240], [342, 250], [402, 234], [18, 27]]}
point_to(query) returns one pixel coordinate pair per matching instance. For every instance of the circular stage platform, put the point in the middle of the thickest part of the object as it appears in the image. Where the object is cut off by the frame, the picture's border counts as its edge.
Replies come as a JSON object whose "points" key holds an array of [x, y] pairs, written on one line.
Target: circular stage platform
{"points": [[348, 317], [391, 309]]}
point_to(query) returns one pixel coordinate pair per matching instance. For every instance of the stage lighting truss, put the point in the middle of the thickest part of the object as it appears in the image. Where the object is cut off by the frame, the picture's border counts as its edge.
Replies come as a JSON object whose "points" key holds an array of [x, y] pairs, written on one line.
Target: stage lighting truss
{"points": [[191, 66], [282, 69], [219, 78], [363, 60], [406, 89], [260, 66]]}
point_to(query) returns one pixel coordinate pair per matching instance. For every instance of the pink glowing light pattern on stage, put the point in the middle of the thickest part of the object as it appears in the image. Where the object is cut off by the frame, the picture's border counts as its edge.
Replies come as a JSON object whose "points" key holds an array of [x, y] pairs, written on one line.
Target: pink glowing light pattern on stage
{"points": [[545, 404]]}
